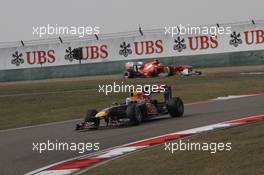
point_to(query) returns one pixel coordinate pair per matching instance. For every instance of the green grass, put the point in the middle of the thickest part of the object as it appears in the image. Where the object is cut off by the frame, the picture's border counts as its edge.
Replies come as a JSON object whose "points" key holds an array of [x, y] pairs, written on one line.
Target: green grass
{"points": [[245, 157], [25, 104]]}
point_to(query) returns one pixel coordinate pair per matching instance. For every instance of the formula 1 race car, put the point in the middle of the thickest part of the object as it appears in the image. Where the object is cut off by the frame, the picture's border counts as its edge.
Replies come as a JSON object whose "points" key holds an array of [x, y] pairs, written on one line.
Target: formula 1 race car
{"points": [[154, 68], [137, 108]]}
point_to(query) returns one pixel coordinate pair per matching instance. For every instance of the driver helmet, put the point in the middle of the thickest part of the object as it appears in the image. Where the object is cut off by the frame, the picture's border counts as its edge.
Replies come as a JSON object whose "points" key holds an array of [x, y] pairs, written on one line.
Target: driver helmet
{"points": [[157, 61], [134, 96]]}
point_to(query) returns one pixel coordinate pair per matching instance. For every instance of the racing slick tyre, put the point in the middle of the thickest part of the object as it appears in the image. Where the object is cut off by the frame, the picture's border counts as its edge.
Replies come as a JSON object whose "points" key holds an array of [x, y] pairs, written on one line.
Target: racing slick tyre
{"points": [[175, 107], [169, 71], [90, 117], [78, 126], [197, 72], [128, 74], [134, 114], [155, 73], [144, 112]]}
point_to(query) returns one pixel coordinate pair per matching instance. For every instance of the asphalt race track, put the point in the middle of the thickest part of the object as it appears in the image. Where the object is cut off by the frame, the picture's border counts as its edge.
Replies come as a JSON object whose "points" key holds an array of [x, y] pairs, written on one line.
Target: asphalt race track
{"points": [[17, 156]]}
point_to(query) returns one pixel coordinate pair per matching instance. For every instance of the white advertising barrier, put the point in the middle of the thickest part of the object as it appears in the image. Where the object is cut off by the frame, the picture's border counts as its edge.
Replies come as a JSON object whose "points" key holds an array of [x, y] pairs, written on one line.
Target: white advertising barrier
{"points": [[243, 37]]}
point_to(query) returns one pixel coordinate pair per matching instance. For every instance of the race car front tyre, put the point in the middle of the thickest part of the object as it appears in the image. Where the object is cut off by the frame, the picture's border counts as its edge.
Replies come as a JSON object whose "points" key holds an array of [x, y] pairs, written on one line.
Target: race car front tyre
{"points": [[129, 74], [134, 114], [175, 107], [90, 115], [154, 73], [78, 127], [96, 124], [169, 71], [197, 72]]}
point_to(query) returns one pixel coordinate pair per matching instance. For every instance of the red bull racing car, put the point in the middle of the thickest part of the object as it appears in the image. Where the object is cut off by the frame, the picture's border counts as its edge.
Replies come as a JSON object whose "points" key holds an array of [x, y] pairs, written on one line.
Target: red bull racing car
{"points": [[154, 68], [137, 108]]}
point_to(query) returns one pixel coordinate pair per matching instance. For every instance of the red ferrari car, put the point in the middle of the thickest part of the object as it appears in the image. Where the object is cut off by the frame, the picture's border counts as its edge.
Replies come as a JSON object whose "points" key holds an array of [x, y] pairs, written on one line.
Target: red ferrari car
{"points": [[154, 68]]}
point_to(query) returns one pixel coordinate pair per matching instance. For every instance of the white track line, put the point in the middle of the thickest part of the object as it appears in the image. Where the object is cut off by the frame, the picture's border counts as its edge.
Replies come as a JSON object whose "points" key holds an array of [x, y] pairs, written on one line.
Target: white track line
{"points": [[40, 125]]}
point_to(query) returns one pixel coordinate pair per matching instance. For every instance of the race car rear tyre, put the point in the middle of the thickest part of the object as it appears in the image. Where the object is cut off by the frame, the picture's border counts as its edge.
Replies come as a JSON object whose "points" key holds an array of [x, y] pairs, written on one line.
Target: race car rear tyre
{"points": [[175, 107], [134, 114]]}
